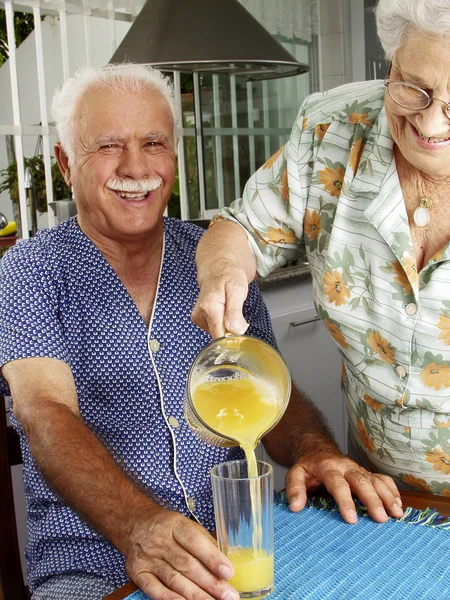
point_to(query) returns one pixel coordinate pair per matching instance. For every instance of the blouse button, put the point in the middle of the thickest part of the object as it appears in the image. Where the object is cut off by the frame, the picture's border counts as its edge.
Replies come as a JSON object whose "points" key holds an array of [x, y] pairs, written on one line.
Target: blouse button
{"points": [[401, 371], [191, 504], [411, 309], [173, 421], [154, 345]]}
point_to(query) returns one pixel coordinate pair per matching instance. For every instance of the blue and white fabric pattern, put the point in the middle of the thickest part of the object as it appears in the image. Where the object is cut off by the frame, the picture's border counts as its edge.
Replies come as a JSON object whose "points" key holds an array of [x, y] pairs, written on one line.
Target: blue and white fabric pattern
{"points": [[60, 298]]}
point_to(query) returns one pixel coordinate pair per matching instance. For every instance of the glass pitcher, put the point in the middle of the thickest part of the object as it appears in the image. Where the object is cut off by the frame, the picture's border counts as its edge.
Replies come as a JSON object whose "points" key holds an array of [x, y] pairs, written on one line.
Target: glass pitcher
{"points": [[237, 358]]}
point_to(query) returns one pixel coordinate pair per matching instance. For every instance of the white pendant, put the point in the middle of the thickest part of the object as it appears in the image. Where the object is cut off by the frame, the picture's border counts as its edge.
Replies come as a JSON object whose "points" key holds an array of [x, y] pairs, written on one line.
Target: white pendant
{"points": [[421, 216]]}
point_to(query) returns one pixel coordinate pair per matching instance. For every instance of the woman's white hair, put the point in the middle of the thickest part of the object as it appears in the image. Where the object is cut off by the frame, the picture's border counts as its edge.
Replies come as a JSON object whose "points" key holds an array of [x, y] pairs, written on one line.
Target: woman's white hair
{"points": [[123, 78], [396, 19]]}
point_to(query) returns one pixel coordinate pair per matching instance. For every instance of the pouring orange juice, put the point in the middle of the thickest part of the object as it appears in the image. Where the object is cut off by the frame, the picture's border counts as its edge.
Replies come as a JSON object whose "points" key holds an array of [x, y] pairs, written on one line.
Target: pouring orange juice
{"points": [[238, 389]]}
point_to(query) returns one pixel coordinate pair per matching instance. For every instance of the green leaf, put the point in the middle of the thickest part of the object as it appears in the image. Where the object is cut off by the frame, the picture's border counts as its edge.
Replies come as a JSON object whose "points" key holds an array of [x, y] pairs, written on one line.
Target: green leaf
{"points": [[347, 258], [361, 252], [386, 270], [323, 242], [355, 303], [365, 305]]}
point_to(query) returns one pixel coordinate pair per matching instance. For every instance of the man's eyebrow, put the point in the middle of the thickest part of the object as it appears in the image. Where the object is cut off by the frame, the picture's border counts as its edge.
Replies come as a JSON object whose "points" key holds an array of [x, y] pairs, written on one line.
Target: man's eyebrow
{"points": [[154, 136], [107, 139]]}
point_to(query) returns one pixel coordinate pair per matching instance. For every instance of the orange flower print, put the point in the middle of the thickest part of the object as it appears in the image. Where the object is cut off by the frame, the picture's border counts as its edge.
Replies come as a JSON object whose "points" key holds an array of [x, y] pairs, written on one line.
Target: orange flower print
{"points": [[442, 424], [416, 483], [304, 123], [344, 372], [312, 224], [273, 159], [336, 334], [360, 118], [436, 376], [400, 402], [407, 429], [216, 219], [334, 288], [401, 278], [440, 460], [320, 130], [409, 264], [284, 186], [438, 256], [355, 154], [446, 492], [382, 347], [279, 236], [373, 403], [444, 326], [365, 437], [332, 179]]}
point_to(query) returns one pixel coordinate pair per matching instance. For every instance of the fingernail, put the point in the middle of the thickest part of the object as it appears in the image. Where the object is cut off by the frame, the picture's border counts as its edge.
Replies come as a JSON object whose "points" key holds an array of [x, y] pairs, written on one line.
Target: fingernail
{"points": [[352, 516], [230, 595], [396, 509], [225, 572], [399, 501], [236, 327]]}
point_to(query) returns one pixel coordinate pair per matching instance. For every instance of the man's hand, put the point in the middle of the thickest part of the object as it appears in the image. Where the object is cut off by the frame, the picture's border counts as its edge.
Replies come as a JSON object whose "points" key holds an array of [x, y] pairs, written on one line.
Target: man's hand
{"points": [[343, 477], [173, 558]]}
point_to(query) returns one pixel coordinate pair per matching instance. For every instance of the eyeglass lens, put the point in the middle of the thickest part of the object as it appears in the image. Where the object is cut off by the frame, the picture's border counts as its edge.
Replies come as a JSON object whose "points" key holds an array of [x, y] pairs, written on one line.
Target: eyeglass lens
{"points": [[412, 97], [408, 96]]}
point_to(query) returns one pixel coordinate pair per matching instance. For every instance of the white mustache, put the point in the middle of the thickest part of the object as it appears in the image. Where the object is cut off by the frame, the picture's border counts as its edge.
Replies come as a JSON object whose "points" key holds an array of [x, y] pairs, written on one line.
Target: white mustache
{"points": [[137, 186]]}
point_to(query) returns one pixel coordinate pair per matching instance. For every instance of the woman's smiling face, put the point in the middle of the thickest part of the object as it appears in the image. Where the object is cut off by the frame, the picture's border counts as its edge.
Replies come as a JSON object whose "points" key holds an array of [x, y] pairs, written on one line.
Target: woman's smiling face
{"points": [[423, 136]]}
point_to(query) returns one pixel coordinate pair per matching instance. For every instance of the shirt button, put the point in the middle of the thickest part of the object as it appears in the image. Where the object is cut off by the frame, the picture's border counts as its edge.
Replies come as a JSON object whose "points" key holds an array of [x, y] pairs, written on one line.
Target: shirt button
{"points": [[173, 421], [411, 309], [191, 504], [401, 371], [154, 345]]}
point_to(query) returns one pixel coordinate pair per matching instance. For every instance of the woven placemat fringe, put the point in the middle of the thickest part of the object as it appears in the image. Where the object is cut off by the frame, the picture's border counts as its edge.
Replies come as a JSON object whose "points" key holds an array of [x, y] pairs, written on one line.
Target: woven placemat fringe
{"points": [[428, 517]]}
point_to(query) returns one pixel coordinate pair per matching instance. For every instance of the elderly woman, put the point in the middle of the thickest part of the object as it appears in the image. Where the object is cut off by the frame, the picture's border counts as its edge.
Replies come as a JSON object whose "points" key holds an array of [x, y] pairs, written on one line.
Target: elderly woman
{"points": [[362, 190]]}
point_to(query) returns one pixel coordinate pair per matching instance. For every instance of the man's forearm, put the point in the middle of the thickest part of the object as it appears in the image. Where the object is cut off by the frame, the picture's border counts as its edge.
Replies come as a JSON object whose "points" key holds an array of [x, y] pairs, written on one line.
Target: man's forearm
{"points": [[227, 242], [301, 432], [83, 473]]}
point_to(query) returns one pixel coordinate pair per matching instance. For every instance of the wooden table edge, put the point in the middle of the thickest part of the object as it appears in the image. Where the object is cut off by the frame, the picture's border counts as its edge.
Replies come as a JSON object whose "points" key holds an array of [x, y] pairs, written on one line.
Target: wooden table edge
{"points": [[417, 500]]}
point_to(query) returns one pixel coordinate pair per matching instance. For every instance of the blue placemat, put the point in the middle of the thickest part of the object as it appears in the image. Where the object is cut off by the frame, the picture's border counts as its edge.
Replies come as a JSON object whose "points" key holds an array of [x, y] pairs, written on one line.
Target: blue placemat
{"points": [[319, 557]]}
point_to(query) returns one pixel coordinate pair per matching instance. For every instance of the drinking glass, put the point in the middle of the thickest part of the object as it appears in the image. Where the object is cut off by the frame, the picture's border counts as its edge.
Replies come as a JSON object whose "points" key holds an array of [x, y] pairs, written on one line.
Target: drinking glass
{"points": [[244, 525]]}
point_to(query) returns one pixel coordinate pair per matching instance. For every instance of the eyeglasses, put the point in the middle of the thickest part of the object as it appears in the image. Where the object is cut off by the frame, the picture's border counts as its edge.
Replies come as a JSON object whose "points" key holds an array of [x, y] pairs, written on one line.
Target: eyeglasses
{"points": [[412, 97]]}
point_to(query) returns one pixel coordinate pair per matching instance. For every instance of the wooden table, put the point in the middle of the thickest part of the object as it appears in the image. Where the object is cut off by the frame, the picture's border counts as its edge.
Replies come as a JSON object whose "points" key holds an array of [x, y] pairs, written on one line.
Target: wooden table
{"points": [[414, 499]]}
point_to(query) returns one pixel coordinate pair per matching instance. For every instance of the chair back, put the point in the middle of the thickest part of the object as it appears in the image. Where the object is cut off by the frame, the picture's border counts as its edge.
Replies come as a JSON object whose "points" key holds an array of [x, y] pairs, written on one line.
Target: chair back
{"points": [[12, 585]]}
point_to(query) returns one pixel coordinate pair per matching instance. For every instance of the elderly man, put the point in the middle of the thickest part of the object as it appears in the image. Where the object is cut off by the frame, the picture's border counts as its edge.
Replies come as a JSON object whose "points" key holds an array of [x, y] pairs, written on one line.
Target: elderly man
{"points": [[95, 345]]}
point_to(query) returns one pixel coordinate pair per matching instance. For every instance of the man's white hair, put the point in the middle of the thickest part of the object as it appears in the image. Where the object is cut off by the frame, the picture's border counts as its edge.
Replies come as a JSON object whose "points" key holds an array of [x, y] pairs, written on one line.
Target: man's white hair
{"points": [[123, 78], [396, 19]]}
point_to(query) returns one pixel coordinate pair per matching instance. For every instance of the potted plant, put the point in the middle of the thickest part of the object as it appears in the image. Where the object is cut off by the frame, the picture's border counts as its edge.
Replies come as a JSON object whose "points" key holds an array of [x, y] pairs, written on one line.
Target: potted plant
{"points": [[9, 182]]}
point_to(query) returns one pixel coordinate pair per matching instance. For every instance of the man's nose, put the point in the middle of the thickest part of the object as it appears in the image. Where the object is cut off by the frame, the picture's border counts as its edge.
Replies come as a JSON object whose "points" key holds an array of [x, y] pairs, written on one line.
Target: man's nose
{"points": [[134, 163]]}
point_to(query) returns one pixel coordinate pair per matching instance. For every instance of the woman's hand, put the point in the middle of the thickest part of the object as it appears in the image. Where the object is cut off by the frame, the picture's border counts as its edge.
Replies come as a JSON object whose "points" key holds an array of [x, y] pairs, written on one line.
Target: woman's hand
{"points": [[225, 267], [171, 557], [219, 305], [343, 478]]}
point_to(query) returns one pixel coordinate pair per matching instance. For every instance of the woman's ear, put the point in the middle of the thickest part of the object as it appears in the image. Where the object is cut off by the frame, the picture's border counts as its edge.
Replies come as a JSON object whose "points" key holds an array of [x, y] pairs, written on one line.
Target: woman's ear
{"points": [[63, 162]]}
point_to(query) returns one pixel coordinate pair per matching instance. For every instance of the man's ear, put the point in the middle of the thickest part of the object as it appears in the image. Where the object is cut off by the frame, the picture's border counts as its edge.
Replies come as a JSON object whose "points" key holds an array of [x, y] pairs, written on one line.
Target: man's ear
{"points": [[63, 162]]}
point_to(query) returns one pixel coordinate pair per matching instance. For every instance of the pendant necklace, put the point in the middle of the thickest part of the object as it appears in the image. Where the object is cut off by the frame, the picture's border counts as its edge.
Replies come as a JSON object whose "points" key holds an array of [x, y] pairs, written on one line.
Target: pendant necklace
{"points": [[421, 215]]}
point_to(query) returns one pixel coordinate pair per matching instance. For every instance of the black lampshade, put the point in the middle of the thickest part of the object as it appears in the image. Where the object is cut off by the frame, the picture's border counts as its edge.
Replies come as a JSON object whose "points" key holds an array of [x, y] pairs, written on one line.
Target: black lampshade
{"points": [[215, 36]]}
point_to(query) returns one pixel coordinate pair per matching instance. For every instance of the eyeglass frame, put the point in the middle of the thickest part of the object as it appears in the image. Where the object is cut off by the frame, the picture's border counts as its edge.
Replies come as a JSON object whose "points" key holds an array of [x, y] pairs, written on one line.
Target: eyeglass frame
{"points": [[430, 99]]}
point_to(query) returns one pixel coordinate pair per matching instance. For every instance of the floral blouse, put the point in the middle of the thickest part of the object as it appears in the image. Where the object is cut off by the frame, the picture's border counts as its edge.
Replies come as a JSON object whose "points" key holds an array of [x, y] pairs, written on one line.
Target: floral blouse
{"points": [[332, 196]]}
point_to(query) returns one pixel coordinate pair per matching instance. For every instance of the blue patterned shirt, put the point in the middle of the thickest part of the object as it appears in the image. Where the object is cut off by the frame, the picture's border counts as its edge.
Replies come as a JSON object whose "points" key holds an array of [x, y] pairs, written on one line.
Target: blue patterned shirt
{"points": [[60, 298]]}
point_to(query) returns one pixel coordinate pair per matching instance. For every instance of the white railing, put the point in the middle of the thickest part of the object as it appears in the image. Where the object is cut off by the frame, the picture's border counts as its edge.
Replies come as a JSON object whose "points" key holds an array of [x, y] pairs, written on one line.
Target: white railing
{"points": [[112, 13]]}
